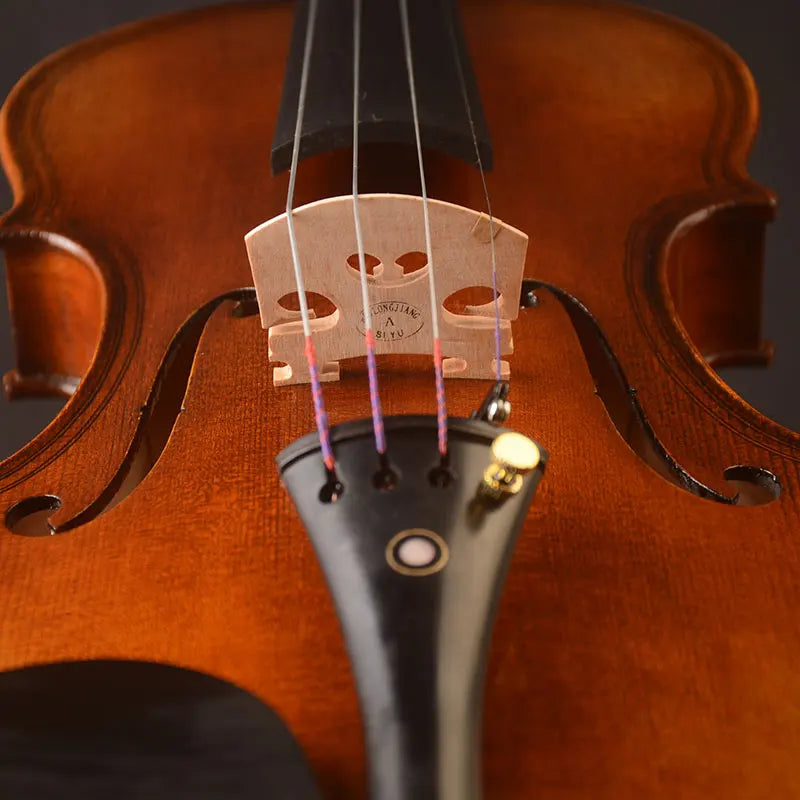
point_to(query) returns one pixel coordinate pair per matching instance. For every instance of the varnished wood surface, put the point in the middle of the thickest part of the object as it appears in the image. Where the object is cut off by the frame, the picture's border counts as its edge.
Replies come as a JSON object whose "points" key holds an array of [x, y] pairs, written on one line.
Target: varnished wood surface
{"points": [[648, 639]]}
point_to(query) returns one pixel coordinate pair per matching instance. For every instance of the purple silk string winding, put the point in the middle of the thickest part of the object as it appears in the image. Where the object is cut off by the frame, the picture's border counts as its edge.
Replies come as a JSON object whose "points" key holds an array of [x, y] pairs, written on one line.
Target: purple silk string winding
{"points": [[320, 415], [441, 403]]}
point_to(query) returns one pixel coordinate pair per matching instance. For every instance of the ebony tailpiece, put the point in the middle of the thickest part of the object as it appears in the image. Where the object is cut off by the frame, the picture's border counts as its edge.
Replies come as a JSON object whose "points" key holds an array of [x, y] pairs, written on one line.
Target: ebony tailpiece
{"points": [[416, 573], [385, 107]]}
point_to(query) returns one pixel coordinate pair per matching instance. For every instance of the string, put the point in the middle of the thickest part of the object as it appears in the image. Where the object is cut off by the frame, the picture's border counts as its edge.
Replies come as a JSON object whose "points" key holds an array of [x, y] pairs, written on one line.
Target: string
{"points": [[468, 107], [441, 404], [320, 414], [369, 338]]}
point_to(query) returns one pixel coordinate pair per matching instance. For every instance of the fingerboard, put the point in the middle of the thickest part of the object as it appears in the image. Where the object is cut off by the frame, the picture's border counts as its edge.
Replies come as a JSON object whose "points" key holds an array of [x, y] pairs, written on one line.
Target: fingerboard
{"points": [[385, 115]]}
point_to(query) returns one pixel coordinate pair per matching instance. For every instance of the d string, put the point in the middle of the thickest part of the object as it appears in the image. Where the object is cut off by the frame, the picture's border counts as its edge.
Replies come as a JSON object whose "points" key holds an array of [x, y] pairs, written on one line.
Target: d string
{"points": [[320, 414], [441, 404], [468, 107], [369, 338]]}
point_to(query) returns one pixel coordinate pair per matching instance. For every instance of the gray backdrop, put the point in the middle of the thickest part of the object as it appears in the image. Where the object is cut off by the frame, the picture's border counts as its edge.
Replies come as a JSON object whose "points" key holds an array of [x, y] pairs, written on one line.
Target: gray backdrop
{"points": [[764, 33]]}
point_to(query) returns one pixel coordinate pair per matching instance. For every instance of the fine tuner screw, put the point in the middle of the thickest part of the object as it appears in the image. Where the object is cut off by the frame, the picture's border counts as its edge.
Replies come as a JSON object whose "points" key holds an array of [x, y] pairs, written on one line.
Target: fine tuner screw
{"points": [[513, 455]]}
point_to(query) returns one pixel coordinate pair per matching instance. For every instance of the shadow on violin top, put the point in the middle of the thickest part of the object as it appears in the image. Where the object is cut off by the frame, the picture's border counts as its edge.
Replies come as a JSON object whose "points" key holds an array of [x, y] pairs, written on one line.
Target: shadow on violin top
{"points": [[127, 729]]}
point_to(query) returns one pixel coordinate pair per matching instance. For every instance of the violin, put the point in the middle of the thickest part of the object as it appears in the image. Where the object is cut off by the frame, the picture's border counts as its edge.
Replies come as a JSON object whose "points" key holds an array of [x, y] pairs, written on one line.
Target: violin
{"points": [[389, 334]]}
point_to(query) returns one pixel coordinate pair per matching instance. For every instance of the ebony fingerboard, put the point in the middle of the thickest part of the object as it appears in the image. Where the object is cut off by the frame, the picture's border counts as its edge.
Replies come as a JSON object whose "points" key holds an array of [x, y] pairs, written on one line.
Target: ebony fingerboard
{"points": [[385, 113]]}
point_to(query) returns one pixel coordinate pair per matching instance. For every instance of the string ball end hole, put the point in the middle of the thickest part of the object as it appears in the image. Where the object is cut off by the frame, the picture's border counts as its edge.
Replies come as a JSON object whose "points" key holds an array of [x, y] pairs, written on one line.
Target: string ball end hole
{"points": [[385, 479], [441, 476], [331, 491]]}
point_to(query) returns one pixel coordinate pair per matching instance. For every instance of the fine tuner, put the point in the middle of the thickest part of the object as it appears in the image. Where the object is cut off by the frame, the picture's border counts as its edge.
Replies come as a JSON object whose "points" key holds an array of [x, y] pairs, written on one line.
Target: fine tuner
{"points": [[513, 456]]}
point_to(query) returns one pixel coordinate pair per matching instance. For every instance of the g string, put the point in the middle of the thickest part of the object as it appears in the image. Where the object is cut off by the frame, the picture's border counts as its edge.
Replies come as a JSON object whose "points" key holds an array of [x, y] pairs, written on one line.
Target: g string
{"points": [[320, 414], [468, 108], [441, 403], [369, 338]]}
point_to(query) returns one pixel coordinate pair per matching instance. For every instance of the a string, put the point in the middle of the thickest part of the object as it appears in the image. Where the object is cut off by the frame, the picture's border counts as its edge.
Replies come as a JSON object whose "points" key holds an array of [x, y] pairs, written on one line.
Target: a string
{"points": [[467, 105], [316, 388], [441, 404], [369, 338]]}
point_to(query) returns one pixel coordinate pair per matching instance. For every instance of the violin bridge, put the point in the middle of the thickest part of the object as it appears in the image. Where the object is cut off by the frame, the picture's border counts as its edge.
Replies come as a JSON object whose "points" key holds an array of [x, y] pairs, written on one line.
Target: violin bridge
{"points": [[397, 267]]}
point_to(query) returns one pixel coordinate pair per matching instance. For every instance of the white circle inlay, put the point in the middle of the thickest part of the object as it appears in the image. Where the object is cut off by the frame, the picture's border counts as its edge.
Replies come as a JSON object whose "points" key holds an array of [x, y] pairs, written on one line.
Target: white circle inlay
{"points": [[417, 551]]}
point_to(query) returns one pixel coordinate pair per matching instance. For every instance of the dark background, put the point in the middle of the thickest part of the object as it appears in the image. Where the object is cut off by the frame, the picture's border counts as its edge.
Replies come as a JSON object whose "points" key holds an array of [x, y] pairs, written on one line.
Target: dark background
{"points": [[765, 35]]}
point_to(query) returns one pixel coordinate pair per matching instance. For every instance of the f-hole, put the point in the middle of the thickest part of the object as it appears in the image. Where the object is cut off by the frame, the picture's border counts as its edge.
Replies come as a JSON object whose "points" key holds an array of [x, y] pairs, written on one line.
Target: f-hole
{"points": [[30, 517]]}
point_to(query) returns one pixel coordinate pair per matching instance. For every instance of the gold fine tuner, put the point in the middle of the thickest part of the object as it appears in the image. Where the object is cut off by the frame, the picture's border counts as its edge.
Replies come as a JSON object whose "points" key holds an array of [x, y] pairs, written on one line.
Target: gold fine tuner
{"points": [[513, 455]]}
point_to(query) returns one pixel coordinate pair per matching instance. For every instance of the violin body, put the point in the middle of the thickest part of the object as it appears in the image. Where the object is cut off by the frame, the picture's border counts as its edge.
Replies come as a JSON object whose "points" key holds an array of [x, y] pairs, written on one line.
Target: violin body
{"points": [[647, 639]]}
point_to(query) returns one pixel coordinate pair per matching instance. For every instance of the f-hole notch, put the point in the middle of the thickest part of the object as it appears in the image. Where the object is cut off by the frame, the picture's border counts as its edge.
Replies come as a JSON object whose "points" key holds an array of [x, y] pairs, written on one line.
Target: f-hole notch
{"points": [[30, 517], [754, 486]]}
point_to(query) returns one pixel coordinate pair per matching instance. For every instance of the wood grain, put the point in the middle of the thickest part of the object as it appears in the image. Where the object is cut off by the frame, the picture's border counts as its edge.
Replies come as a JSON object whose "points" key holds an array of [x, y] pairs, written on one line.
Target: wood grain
{"points": [[648, 639]]}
